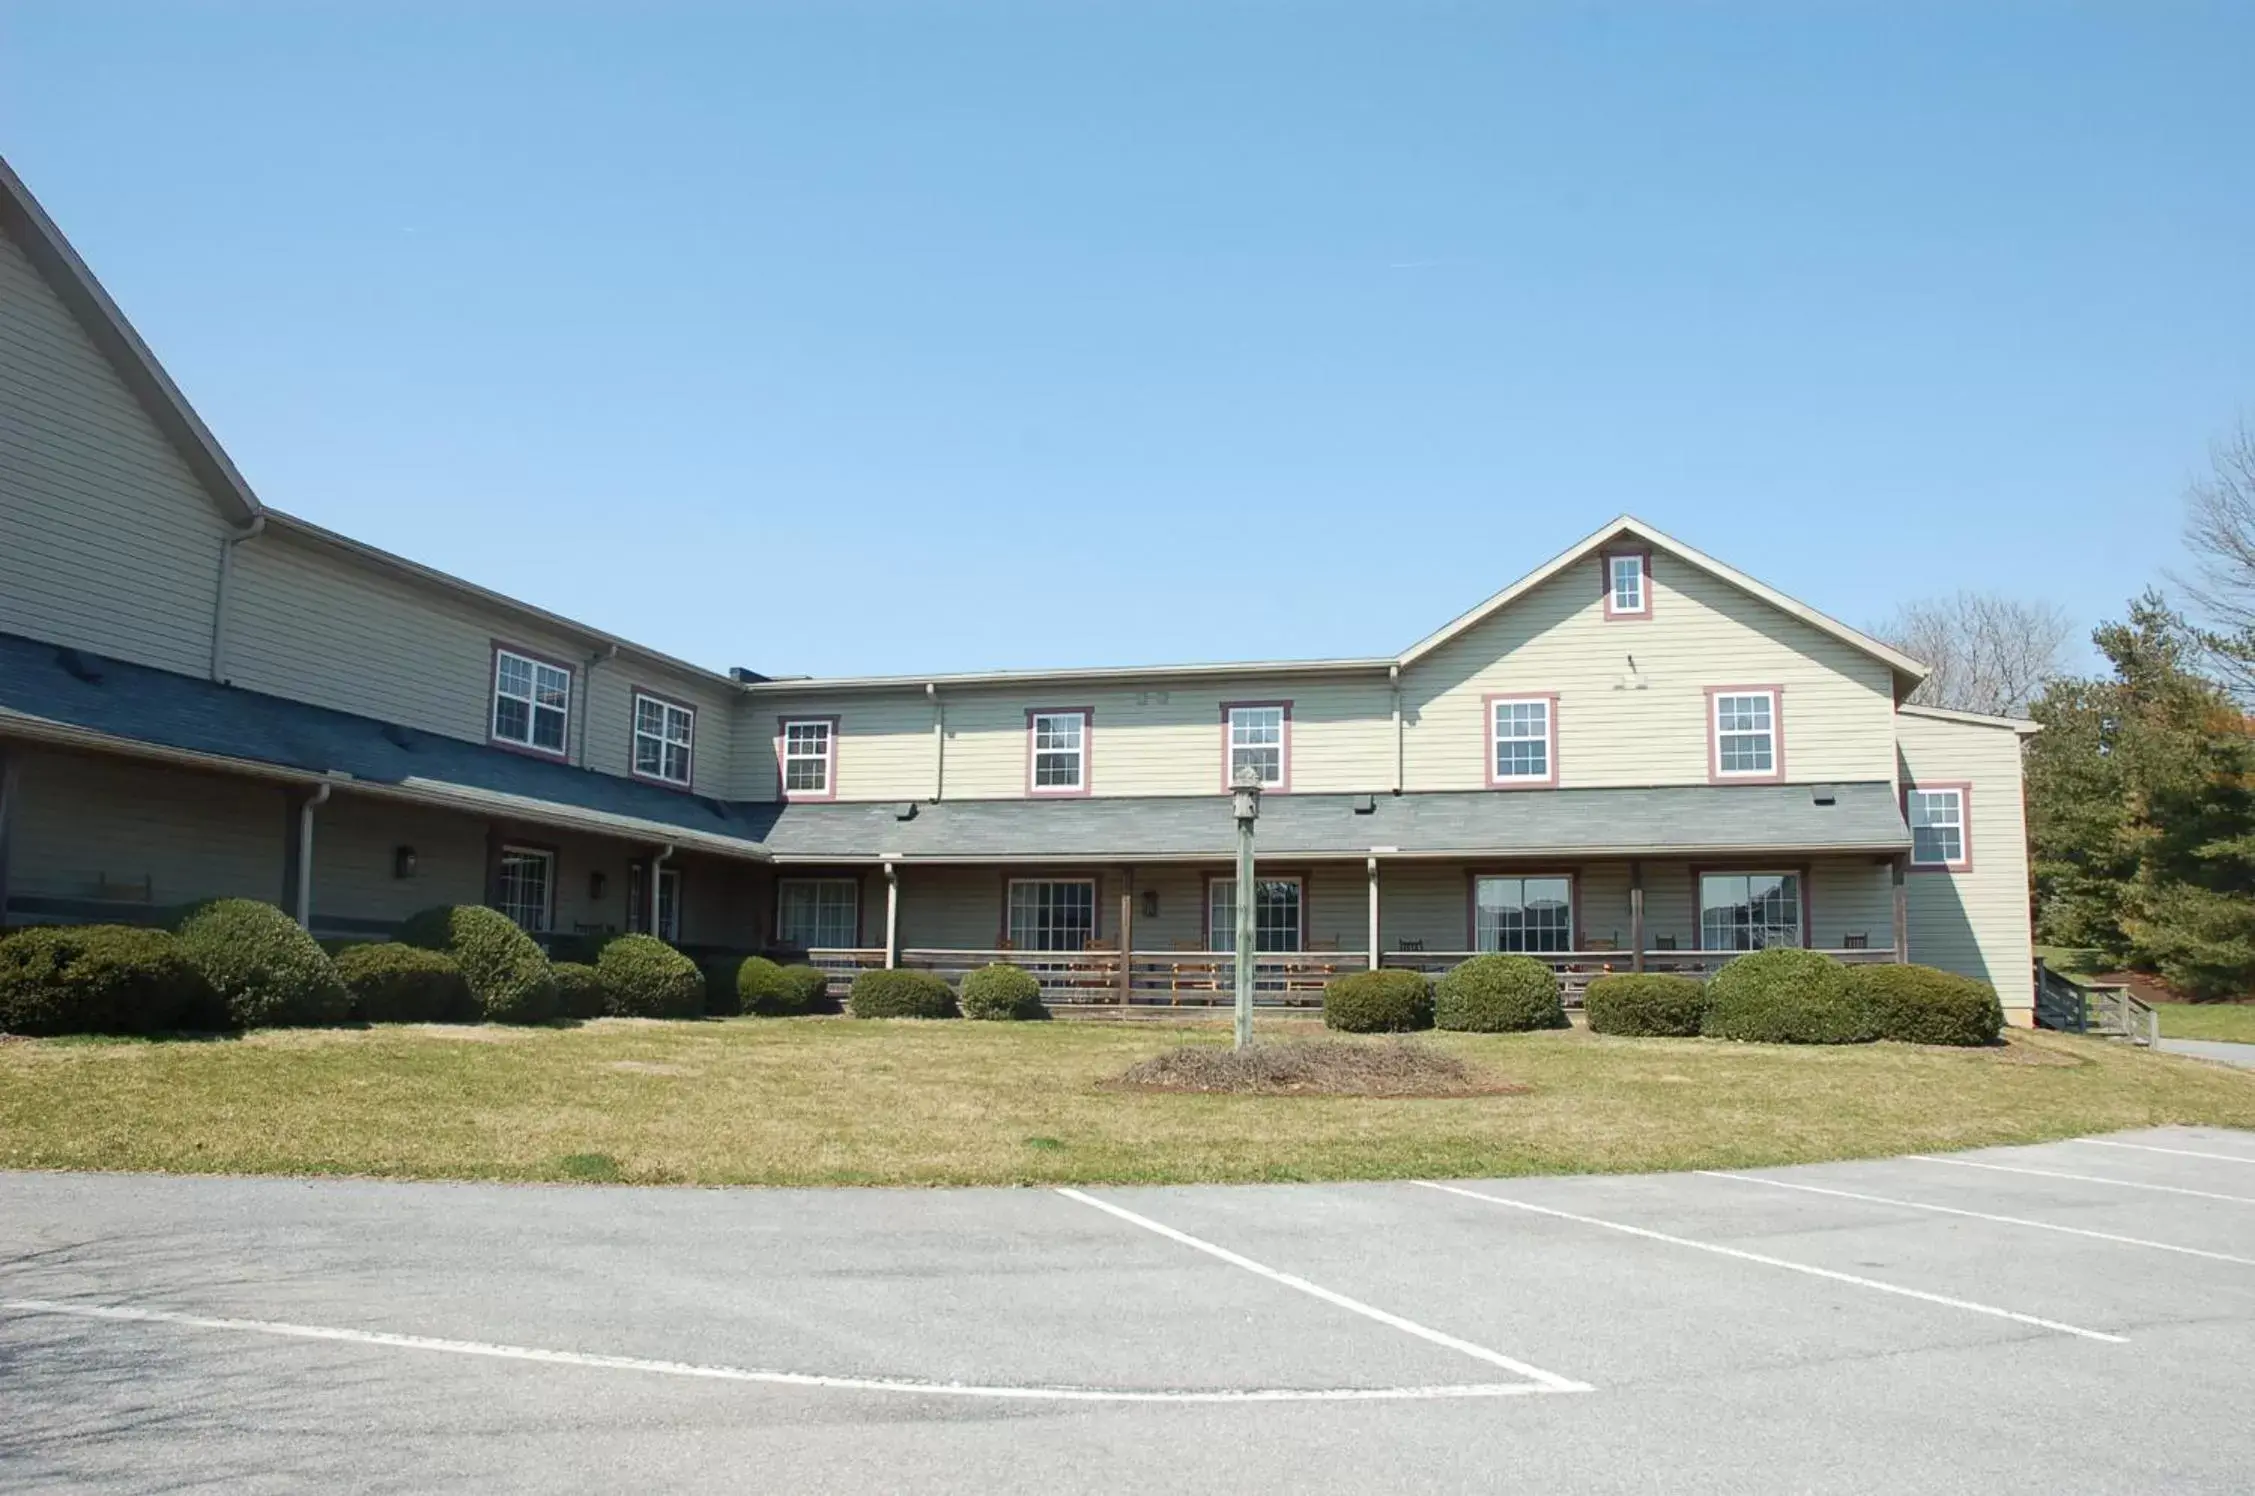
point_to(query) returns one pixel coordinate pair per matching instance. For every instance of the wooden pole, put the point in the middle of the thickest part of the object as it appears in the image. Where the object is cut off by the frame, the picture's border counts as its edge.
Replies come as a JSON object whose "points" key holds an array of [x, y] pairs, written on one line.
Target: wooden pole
{"points": [[1900, 867], [892, 916], [1127, 935], [1246, 937], [1372, 866], [1636, 916]]}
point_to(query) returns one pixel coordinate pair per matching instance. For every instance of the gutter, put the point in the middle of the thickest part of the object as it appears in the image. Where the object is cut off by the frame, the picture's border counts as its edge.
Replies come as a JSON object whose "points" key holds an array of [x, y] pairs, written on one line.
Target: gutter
{"points": [[223, 602]]}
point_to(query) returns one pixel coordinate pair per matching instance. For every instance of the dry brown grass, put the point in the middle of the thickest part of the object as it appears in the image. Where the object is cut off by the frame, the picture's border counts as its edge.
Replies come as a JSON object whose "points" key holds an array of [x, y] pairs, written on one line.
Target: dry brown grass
{"points": [[843, 1101], [1314, 1067]]}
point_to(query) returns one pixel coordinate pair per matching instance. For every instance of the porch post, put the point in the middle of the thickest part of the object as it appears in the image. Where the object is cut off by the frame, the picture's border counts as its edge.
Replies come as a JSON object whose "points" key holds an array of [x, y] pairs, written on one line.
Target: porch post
{"points": [[1898, 868], [300, 858], [1636, 916], [892, 916], [1371, 865], [1127, 935], [10, 793]]}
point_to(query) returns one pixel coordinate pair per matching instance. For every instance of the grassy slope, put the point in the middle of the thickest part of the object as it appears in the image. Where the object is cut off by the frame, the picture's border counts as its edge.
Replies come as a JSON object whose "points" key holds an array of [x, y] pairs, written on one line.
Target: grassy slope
{"points": [[2232, 1022], [824, 1101]]}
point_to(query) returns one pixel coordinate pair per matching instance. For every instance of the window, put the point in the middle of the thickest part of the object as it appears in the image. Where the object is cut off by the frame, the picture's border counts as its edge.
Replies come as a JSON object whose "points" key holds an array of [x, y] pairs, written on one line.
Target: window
{"points": [[669, 901], [1523, 914], [1522, 741], [1937, 827], [807, 748], [1057, 752], [1746, 734], [664, 735], [818, 914], [1046, 915], [525, 886], [1627, 587], [1276, 914], [532, 702], [1257, 741], [1749, 911]]}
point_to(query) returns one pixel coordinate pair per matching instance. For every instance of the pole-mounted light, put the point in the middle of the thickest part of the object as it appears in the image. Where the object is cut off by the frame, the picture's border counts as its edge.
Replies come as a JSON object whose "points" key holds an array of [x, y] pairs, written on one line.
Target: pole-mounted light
{"points": [[1245, 804]]}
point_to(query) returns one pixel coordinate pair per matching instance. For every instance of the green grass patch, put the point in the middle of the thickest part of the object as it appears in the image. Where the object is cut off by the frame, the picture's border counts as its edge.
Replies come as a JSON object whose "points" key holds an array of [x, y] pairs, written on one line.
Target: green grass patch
{"points": [[2233, 1023]]}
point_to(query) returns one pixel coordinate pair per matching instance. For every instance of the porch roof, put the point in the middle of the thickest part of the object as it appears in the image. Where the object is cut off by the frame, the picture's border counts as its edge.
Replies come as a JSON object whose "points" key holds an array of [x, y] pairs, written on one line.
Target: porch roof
{"points": [[1680, 820]]}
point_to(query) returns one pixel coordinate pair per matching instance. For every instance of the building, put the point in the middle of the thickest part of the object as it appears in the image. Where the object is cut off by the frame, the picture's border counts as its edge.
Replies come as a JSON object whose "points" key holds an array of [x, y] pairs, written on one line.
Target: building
{"points": [[1634, 756]]}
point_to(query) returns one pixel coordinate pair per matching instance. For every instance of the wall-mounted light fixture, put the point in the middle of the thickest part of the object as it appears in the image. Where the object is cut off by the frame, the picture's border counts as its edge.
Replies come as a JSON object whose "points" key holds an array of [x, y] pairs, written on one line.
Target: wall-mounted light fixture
{"points": [[403, 862], [596, 882], [1150, 903]]}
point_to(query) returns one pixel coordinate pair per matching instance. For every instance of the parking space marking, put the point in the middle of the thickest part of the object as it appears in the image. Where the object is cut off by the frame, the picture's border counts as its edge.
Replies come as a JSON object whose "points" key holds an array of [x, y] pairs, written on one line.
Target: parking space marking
{"points": [[2227, 1158], [137, 1315], [1548, 1381], [1980, 1215], [1795, 1267], [2128, 1184]]}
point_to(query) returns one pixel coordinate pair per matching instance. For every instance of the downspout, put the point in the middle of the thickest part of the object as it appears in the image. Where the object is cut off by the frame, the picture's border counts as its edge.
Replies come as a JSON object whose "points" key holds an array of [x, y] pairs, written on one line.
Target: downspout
{"points": [[306, 807], [656, 862], [892, 916], [1394, 678], [939, 740], [602, 656], [223, 600]]}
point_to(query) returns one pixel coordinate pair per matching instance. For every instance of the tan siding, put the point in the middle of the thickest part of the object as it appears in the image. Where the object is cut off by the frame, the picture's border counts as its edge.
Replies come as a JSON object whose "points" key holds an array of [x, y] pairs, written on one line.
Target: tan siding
{"points": [[1837, 701], [884, 744], [107, 540], [354, 842], [194, 836], [1851, 896], [1974, 922]]}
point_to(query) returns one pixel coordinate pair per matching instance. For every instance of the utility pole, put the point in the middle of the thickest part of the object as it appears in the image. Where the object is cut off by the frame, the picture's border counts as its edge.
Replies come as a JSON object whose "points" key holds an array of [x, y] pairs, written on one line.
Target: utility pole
{"points": [[1245, 803]]}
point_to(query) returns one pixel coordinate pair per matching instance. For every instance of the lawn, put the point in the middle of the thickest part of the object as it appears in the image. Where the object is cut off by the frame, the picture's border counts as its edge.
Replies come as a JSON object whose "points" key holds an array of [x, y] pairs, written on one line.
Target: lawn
{"points": [[841, 1101], [2231, 1022]]}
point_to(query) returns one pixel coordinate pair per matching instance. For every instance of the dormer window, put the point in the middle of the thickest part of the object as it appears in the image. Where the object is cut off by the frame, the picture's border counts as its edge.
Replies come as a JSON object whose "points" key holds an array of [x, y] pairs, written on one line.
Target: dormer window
{"points": [[532, 702], [1627, 580]]}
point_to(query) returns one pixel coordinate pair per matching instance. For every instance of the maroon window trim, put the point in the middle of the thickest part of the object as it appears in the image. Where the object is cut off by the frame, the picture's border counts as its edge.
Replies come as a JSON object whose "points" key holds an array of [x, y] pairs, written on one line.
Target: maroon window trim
{"points": [[1206, 903], [1605, 560], [1488, 710], [499, 647], [1012, 876], [1964, 864], [1284, 787], [634, 713], [860, 899], [1087, 714], [1473, 875], [1799, 870], [1715, 774], [830, 761]]}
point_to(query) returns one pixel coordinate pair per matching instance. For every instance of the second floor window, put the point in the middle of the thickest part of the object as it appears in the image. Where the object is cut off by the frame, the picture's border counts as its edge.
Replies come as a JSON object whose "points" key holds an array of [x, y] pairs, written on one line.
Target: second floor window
{"points": [[1257, 742], [1058, 752], [532, 702], [1523, 745], [1625, 595], [1745, 735], [1937, 827], [808, 749], [664, 735]]}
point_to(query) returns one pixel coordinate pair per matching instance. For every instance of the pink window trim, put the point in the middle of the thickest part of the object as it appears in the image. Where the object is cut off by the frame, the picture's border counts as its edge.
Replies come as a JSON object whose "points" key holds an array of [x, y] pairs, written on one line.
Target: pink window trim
{"points": [[1473, 875], [1800, 870], [1087, 714], [1282, 788], [634, 695], [1016, 876], [1715, 774], [500, 647], [1605, 578], [829, 768], [1488, 709], [1206, 904], [1964, 864]]}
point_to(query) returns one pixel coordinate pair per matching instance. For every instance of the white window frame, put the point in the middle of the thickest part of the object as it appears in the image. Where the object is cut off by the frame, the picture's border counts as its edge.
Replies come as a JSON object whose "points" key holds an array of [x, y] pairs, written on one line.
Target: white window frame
{"points": [[1497, 708], [1917, 811], [1640, 603], [546, 858], [1250, 737], [1492, 939], [1221, 929], [852, 886], [1035, 717], [1799, 905], [1031, 936], [827, 758], [1775, 733], [533, 705], [669, 902], [664, 739]]}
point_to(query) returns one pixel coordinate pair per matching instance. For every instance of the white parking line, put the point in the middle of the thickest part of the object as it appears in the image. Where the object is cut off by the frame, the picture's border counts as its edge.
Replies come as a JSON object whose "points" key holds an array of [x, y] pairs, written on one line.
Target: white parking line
{"points": [[1980, 1215], [1795, 1267], [2227, 1158], [137, 1315], [1549, 1381], [2128, 1184]]}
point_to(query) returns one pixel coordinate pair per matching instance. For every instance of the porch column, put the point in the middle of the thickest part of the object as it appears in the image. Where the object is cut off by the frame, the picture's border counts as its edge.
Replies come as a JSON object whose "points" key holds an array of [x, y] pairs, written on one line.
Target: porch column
{"points": [[1636, 916], [1371, 866], [1127, 935], [892, 916], [10, 794], [1897, 869], [298, 858]]}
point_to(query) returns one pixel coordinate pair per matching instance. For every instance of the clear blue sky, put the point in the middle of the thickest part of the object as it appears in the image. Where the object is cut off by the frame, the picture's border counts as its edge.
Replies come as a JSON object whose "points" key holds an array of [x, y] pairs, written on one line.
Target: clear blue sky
{"points": [[851, 337]]}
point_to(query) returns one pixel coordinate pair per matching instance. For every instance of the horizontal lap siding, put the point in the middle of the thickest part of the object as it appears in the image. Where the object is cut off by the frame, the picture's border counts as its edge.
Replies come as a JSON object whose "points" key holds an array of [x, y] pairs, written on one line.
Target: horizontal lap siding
{"points": [[108, 542], [1837, 709], [1851, 896], [1977, 922], [884, 744], [194, 836], [355, 845]]}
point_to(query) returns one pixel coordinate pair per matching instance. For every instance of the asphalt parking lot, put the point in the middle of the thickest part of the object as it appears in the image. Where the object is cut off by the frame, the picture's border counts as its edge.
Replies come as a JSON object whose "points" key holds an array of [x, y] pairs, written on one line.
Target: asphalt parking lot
{"points": [[2076, 1316]]}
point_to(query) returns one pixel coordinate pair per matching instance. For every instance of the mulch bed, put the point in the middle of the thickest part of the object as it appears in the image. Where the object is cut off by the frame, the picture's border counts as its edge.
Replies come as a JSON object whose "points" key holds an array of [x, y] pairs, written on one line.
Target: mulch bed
{"points": [[1315, 1067]]}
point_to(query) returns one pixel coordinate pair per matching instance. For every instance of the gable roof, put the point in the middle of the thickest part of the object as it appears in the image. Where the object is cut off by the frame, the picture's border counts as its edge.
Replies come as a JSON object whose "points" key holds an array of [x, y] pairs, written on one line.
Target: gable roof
{"points": [[1909, 671], [2020, 725], [24, 221]]}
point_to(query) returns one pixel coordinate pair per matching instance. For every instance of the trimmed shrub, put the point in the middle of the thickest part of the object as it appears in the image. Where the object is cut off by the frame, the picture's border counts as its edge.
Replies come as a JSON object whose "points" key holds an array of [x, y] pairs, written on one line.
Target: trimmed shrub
{"points": [[723, 992], [1378, 1002], [1002, 991], [761, 986], [1921, 1005], [646, 978], [404, 984], [1498, 994], [580, 992], [900, 994], [262, 965], [1787, 996], [506, 971], [101, 979], [806, 989], [1646, 1005]]}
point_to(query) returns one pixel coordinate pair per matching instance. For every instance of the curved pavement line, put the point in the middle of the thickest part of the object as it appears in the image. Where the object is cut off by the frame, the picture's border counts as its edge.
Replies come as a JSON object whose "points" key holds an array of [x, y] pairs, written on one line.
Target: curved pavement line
{"points": [[898, 1385]]}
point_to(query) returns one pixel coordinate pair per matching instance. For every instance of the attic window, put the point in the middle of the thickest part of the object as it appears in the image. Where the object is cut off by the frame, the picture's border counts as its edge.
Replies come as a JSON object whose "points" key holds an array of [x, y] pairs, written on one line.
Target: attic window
{"points": [[1626, 578]]}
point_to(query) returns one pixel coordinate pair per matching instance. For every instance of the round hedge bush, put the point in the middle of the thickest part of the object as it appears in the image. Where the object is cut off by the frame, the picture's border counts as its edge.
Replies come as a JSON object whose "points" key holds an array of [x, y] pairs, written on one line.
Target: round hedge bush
{"points": [[506, 971], [1378, 1002], [1921, 1005], [579, 990], [266, 970], [761, 986], [900, 994], [101, 979], [1646, 1005], [805, 989], [394, 983], [723, 976], [1498, 994], [1002, 991], [646, 978], [1787, 996]]}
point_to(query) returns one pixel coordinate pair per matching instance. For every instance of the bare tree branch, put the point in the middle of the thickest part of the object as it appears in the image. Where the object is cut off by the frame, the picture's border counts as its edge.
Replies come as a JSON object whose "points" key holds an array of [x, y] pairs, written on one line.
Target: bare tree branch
{"points": [[2220, 533], [1988, 653]]}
